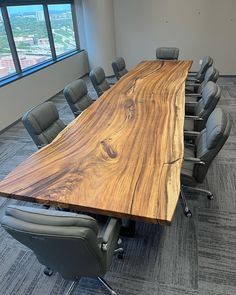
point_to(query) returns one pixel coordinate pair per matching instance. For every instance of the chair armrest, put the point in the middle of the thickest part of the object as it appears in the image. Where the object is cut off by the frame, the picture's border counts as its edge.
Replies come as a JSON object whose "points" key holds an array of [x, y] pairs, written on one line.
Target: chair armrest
{"points": [[191, 133], [195, 118], [112, 83], [111, 226], [41, 146], [191, 103], [77, 113], [195, 160], [192, 79], [190, 145], [193, 95], [193, 84], [192, 73]]}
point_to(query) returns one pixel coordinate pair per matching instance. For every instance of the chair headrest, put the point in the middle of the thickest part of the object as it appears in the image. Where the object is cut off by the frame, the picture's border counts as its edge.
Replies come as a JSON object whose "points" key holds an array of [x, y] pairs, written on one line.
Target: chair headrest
{"points": [[98, 74], [210, 91], [167, 53], [51, 217], [120, 63], [212, 74], [75, 90], [41, 117], [216, 127], [207, 62]]}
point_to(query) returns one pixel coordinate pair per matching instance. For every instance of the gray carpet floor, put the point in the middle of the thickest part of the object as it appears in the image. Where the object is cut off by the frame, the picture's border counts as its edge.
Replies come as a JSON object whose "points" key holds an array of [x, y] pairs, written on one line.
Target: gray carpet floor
{"points": [[192, 256]]}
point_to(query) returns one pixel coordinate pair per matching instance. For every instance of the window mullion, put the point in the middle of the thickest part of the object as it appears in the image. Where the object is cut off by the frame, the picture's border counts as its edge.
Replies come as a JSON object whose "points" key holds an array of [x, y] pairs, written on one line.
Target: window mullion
{"points": [[11, 41], [49, 30], [75, 27]]}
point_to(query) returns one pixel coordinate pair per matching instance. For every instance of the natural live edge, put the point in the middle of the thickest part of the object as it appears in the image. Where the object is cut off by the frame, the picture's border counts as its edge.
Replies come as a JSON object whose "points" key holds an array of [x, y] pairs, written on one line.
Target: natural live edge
{"points": [[122, 156], [62, 205]]}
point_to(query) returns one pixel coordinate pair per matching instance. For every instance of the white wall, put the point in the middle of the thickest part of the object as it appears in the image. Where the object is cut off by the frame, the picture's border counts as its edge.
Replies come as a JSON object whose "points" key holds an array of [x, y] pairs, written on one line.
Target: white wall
{"points": [[97, 32], [198, 28], [19, 96]]}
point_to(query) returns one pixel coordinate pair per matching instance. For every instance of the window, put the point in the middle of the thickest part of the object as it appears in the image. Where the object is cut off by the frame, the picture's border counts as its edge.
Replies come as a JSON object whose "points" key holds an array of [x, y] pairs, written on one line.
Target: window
{"points": [[62, 27], [34, 34], [7, 66], [30, 34]]}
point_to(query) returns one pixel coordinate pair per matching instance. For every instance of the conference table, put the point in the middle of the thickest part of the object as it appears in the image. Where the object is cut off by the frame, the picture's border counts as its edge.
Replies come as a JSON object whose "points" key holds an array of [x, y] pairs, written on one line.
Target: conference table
{"points": [[121, 157]]}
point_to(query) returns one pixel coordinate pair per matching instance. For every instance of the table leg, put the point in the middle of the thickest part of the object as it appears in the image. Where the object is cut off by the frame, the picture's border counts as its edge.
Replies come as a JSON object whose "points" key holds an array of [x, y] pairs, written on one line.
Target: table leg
{"points": [[128, 230]]}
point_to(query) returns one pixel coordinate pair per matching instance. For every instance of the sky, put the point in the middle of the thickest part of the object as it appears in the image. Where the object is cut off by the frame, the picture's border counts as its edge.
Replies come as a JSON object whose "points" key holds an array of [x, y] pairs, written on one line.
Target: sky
{"points": [[33, 8]]}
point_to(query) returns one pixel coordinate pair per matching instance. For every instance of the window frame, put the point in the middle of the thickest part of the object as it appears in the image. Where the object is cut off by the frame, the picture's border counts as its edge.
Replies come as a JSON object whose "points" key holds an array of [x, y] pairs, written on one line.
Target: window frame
{"points": [[20, 73]]}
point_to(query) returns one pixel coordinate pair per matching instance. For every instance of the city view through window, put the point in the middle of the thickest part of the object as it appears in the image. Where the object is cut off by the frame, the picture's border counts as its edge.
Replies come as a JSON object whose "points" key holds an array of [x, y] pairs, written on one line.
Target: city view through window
{"points": [[31, 37], [62, 27], [4, 52]]}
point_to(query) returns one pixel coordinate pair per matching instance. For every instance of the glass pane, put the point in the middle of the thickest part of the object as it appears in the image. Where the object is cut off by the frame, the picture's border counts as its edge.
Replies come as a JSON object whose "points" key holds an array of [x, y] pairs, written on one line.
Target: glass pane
{"points": [[62, 27], [30, 34], [6, 62]]}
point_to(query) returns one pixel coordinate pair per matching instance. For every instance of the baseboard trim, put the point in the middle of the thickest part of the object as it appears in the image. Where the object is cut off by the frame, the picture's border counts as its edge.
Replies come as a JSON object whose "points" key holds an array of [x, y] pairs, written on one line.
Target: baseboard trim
{"points": [[12, 124], [228, 76], [50, 98]]}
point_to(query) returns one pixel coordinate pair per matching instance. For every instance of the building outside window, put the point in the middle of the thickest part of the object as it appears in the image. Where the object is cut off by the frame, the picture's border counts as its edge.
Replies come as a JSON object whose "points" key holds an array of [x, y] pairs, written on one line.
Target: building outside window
{"points": [[7, 66], [62, 27], [30, 34]]}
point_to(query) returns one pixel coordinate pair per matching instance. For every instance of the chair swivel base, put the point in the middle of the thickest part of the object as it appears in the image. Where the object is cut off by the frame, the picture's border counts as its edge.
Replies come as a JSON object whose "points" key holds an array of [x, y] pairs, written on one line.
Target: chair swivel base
{"points": [[105, 284], [200, 190], [48, 272], [119, 252], [101, 280], [184, 203]]}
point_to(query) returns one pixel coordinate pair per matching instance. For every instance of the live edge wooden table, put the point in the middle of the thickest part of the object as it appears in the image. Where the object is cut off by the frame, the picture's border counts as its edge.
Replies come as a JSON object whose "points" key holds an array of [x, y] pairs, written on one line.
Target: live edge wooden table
{"points": [[121, 157]]}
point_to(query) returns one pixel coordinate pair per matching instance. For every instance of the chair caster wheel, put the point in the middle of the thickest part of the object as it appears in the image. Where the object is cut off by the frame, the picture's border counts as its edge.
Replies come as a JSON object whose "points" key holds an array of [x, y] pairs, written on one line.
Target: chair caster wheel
{"points": [[48, 271], [210, 197], [188, 213], [120, 256]]}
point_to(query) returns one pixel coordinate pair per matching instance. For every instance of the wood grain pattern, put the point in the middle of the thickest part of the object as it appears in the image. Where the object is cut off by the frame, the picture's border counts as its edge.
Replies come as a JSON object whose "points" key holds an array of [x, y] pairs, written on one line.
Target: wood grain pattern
{"points": [[121, 157]]}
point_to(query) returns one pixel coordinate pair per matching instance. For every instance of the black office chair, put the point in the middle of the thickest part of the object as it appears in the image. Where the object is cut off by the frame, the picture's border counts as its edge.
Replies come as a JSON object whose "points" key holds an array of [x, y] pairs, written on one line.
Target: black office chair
{"points": [[198, 77], [74, 245], [76, 94], [119, 67], [98, 79], [167, 53], [43, 123], [194, 90], [199, 156], [197, 113]]}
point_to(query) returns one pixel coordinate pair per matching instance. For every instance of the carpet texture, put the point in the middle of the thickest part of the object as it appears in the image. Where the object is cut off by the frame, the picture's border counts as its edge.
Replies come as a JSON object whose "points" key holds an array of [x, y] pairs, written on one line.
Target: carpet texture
{"points": [[192, 256]]}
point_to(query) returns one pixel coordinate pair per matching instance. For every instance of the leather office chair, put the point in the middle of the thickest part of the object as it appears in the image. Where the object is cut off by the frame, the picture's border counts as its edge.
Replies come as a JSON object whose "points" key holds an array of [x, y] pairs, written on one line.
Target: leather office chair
{"points": [[98, 79], [74, 245], [212, 74], [198, 77], [198, 157], [76, 94], [197, 113], [43, 123], [119, 67], [167, 53]]}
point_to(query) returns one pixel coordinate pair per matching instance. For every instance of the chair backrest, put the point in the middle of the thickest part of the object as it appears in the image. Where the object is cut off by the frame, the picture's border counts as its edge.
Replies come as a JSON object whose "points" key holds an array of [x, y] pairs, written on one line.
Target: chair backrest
{"points": [[207, 62], [212, 74], [43, 123], [76, 94], [167, 53], [210, 98], [211, 140], [63, 241], [98, 79], [119, 67]]}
